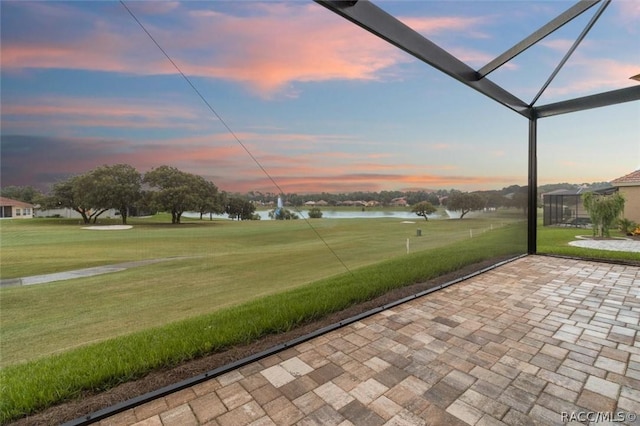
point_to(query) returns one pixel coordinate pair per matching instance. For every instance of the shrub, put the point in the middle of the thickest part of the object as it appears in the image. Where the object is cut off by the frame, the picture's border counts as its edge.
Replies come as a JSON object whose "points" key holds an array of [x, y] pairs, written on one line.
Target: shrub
{"points": [[282, 214], [315, 213], [626, 226], [603, 209]]}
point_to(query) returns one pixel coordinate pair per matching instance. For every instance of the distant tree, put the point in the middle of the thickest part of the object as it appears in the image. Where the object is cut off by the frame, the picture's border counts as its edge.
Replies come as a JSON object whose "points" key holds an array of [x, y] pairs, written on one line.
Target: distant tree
{"points": [[495, 199], [603, 210], [174, 191], [208, 199], [424, 209], [72, 193], [112, 187], [433, 199], [27, 194], [520, 200], [294, 199], [465, 202], [240, 209], [315, 213]]}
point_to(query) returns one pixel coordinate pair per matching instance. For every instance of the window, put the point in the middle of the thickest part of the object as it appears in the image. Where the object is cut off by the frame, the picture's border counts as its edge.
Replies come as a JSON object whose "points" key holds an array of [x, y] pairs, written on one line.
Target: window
{"points": [[17, 211]]}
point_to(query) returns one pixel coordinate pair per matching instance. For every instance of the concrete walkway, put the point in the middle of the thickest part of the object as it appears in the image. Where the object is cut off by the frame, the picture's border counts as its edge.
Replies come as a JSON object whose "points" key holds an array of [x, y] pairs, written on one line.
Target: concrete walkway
{"points": [[79, 273], [612, 245], [540, 340]]}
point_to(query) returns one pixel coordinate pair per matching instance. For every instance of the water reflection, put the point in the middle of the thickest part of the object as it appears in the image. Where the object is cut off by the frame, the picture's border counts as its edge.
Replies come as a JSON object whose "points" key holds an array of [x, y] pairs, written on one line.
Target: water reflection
{"points": [[348, 214]]}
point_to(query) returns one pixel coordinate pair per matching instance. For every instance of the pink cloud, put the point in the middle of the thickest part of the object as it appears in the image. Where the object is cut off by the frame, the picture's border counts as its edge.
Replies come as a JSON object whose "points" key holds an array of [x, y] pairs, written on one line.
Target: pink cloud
{"points": [[226, 164], [266, 51], [90, 112], [477, 58], [433, 25], [628, 13], [561, 44], [586, 75]]}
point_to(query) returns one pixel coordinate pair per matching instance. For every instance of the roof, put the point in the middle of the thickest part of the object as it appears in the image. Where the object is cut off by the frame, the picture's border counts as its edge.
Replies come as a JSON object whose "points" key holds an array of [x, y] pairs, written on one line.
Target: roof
{"points": [[632, 179], [9, 202], [580, 191], [562, 192]]}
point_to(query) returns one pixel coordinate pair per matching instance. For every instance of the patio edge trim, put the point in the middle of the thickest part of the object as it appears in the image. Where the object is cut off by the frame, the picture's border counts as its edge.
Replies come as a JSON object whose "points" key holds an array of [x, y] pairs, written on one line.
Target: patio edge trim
{"points": [[592, 259], [167, 390]]}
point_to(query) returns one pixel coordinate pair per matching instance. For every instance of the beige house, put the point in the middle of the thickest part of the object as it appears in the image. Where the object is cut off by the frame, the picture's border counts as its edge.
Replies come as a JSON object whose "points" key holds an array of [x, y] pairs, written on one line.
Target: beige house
{"points": [[629, 187], [15, 209]]}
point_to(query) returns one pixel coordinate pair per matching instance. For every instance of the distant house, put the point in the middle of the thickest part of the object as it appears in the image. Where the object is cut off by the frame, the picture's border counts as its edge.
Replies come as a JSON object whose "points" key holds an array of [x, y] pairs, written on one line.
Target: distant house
{"points": [[629, 187], [399, 202], [565, 206], [15, 209], [68, 213], [358, 203]]}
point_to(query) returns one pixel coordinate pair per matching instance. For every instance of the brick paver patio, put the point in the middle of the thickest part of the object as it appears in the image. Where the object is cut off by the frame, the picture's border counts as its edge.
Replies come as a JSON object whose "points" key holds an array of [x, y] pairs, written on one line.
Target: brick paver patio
{"points": [[521, 344]]}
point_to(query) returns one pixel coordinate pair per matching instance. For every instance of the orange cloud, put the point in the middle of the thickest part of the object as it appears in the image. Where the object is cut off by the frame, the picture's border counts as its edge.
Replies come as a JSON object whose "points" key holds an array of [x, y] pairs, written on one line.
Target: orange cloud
{"points": [[369, 182]]}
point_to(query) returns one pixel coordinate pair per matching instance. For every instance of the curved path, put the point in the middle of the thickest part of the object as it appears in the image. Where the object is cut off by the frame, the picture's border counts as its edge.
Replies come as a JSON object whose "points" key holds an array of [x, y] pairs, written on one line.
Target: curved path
{"points": [[612, 245]]}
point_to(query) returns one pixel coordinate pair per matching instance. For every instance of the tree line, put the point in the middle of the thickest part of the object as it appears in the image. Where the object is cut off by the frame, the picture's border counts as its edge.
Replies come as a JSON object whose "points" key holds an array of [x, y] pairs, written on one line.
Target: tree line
{"points": [[129, 192], [511, 196], [123, 188]]}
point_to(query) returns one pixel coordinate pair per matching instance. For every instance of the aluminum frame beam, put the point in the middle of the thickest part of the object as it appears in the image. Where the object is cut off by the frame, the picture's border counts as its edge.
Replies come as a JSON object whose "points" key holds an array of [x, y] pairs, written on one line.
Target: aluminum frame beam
{"points": [[387, 27], [628, 94], [574, 46], [565, 17], [378, 22], [532, 188]]}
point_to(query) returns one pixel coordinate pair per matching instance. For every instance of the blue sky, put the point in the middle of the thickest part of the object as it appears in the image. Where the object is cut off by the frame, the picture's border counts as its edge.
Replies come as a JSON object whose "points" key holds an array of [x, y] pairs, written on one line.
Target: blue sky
{"points": [[320, 103]]}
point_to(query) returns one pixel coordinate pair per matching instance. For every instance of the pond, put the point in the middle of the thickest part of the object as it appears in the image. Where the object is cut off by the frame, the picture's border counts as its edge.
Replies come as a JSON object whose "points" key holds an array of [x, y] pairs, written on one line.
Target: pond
{"points": [[348, 214]]}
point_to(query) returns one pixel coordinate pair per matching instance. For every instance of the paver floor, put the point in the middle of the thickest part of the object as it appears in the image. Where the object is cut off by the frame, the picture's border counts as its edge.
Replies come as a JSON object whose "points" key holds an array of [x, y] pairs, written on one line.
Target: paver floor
{"points": [[540, 340]]}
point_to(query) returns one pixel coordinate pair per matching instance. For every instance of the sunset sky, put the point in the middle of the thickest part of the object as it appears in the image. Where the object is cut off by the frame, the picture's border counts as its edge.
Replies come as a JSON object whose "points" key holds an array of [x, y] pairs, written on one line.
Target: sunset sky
{"points": [[321, 104]]}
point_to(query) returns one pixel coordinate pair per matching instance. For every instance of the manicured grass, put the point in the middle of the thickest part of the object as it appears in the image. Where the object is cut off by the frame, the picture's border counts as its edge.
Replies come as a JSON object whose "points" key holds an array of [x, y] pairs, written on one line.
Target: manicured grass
{"points": [[39, 383], [555, 240], [231, 263]]}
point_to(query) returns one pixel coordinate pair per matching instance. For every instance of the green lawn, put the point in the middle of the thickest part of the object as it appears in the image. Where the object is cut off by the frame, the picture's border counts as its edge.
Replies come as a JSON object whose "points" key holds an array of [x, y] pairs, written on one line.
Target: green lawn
{"points": [[237, 281], [555, 240], [228, 263], [163, 314]]}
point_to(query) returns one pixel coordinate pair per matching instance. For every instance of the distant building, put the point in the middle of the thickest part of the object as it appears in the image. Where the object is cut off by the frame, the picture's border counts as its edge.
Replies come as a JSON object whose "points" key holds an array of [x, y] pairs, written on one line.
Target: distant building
{"points": [[629, 188], [68, 213], [399, 202], [565, 207], [15, 209]]}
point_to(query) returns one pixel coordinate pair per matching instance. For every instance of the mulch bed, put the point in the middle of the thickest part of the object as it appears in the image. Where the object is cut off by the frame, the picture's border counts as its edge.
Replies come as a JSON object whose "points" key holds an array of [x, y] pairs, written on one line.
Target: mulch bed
{"points": [[90, 402]]}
